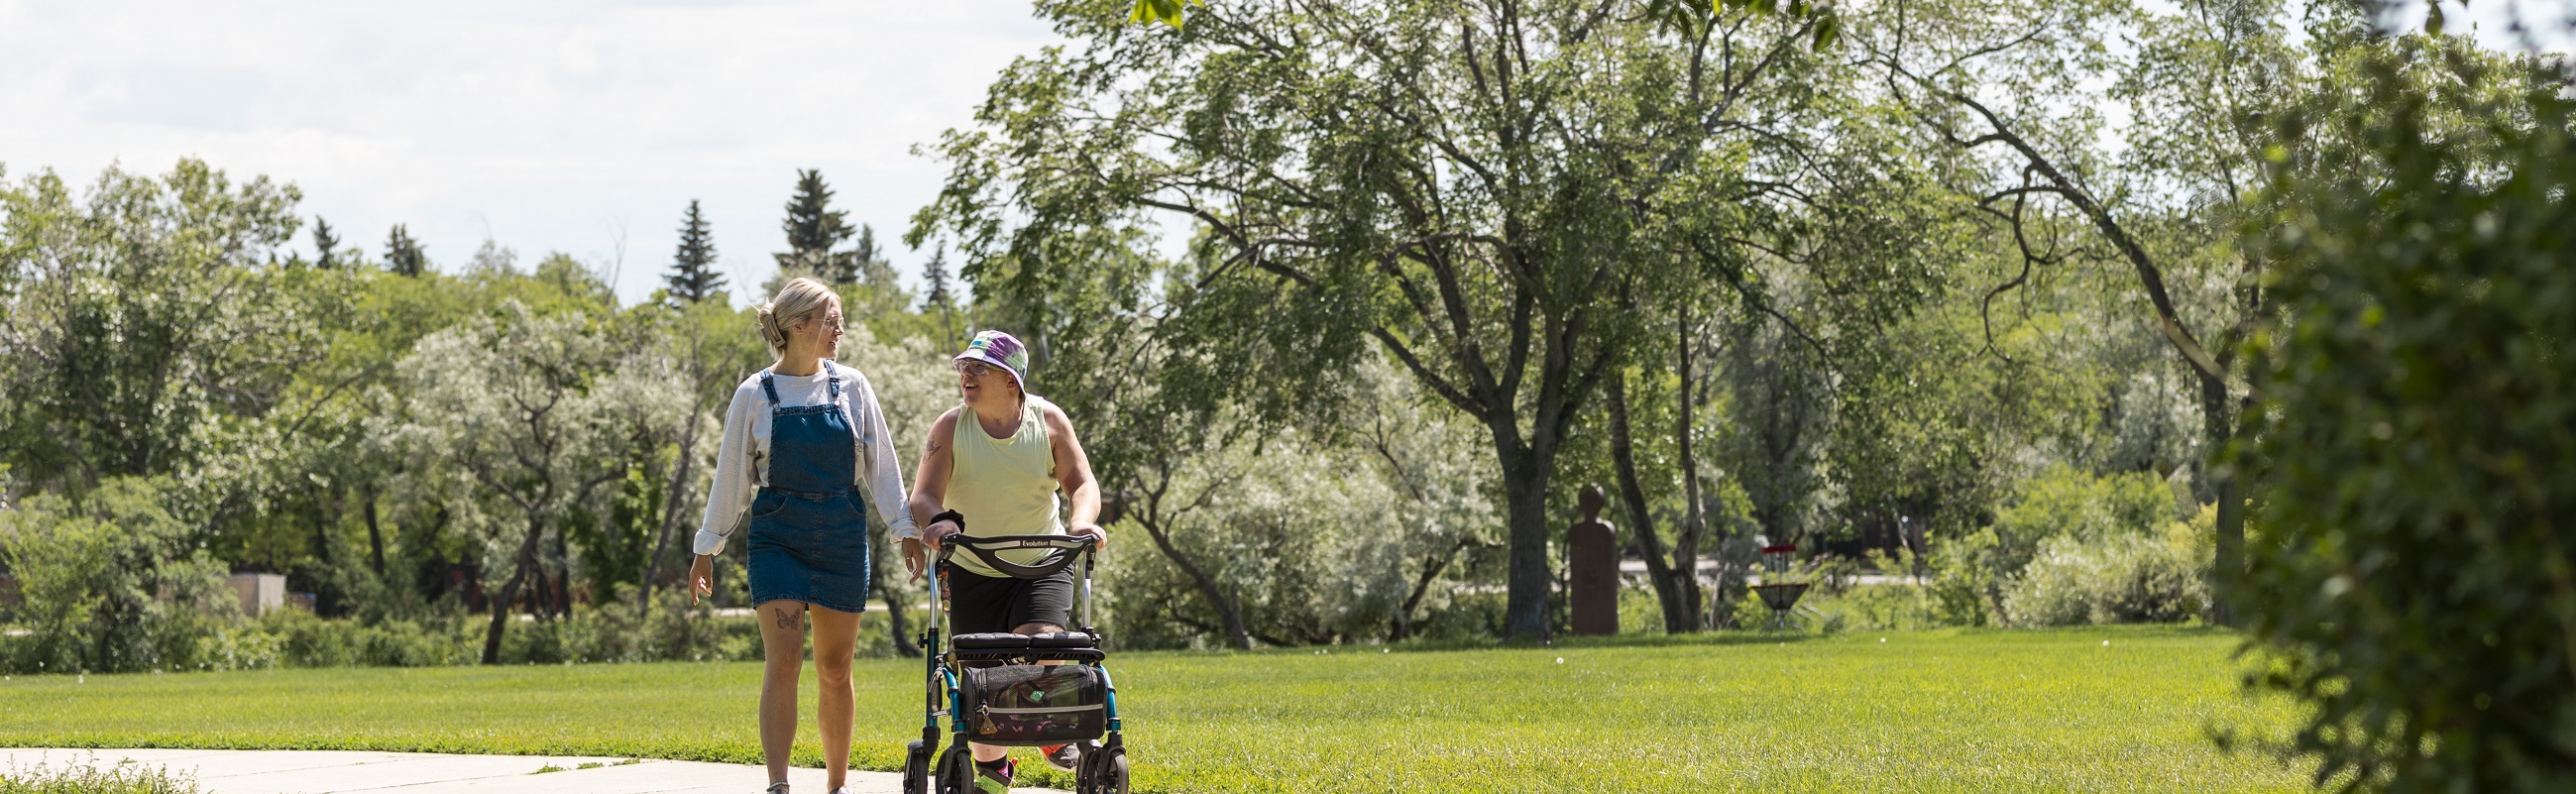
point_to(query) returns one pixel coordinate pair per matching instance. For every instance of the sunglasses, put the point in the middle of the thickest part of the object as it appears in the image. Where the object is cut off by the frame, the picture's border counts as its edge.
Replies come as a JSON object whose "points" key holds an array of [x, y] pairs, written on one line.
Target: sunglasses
{"points": [[974, 369]]}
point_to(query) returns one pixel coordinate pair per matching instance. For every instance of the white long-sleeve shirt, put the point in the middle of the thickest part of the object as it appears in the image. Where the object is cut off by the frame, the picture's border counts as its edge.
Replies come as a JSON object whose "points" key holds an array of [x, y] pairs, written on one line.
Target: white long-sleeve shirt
{"points": [[742, 465]]}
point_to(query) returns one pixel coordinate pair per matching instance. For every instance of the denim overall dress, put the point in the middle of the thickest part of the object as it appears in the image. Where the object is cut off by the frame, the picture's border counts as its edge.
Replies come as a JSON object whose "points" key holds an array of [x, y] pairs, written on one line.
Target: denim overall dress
{"points": [[809, 527]]}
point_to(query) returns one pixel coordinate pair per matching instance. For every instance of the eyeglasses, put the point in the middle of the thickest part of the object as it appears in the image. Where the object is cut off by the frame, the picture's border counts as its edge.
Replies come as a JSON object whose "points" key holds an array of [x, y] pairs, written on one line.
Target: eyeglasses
{"points": [[974, 369]]}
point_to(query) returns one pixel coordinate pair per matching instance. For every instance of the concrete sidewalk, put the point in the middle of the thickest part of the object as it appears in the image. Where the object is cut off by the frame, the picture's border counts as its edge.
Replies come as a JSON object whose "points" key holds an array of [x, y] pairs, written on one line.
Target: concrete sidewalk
{"points": [[321, 771]]}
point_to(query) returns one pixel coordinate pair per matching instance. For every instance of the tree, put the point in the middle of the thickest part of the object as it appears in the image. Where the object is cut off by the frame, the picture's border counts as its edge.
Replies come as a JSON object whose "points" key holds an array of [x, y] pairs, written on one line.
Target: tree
{"points": [[111, 581], [814, 229], [693, 276], [508, 404], [144, 326], [403, 256], [1477, 189], [934, 274], [2207, 78], [323, 243], [2415, 405]]}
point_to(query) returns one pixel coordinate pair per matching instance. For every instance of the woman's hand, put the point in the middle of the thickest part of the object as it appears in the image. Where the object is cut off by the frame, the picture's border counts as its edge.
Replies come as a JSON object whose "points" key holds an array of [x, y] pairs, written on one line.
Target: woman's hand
{"points": [[937, 534], [914, 558], [1081, 528], [702, 571]]}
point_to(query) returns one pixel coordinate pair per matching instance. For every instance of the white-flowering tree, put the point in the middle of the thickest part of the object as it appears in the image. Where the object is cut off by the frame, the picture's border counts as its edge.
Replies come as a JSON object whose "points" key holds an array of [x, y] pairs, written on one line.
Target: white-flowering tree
{"points": [[526, 411], [1346, 530]]}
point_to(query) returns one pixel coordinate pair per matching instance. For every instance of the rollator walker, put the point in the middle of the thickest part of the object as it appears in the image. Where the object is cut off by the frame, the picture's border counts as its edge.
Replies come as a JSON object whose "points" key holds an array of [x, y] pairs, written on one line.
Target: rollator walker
{"points": [[993, 691]]}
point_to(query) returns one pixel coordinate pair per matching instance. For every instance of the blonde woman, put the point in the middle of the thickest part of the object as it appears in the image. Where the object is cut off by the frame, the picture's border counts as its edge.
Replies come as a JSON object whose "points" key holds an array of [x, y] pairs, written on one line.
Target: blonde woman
{"points": [[806, 450], [997, 465]]}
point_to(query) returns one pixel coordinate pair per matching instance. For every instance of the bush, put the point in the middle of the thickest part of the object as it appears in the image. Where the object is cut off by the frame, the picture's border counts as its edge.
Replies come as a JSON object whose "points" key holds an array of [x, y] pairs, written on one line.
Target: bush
{"points": [[2064, 501], [2414, 582], [111, 582], [2130, 579], [124, 778], [2075, 548], [609, 632], [671, 630], [1967, 576], [295, 638]]}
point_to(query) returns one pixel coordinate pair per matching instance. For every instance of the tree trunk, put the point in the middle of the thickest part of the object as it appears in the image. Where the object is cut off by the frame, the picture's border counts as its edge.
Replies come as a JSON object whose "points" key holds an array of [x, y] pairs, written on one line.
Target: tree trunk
{"points": [[1232, 610], [1431, 568], [1694, 519], [898, 624], [1525, 475], [670, 512], [526, 558], [563, 576], [1641, 522], [375, 536], [2219, 430]]}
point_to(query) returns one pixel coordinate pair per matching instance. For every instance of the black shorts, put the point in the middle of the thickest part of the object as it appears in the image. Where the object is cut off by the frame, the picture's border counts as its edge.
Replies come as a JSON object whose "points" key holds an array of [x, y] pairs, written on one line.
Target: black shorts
{"points": [[979, 604]]}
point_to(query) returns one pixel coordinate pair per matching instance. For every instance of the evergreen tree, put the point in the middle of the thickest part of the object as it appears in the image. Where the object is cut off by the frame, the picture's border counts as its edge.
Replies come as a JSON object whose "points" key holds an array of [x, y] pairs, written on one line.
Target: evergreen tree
{"points": [[693, 276], [403, 255], [869, 262], [935, 274], [814, 229], [323, 242]]}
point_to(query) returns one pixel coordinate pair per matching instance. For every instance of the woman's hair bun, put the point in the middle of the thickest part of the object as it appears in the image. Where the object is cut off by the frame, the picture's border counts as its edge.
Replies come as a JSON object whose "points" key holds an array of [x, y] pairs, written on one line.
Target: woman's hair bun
{"points": [[800, 300]]}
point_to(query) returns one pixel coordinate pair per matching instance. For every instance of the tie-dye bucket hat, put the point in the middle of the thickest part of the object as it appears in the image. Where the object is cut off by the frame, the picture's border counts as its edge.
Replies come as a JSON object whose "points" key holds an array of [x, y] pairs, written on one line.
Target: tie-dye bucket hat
{"points": [[1000, 350]]}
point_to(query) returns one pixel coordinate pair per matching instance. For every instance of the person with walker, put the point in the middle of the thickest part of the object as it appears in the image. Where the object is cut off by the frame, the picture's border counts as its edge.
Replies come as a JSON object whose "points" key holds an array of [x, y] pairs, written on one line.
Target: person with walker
{"points": [[807, 452], [999, 465]]}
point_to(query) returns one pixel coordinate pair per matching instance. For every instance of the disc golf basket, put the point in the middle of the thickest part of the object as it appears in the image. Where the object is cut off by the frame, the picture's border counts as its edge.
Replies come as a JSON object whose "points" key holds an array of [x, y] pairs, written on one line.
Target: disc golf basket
{"points": [[1778, 595]]}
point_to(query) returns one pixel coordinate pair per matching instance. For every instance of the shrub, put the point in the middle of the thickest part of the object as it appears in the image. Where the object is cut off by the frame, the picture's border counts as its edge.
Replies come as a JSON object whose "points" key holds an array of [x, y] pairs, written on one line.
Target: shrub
{"points": [[2064, 501], [125, 777], [2128, 579], [2414, 582], [295, 638], [1966, 587], [672, 630], [110, 582]]}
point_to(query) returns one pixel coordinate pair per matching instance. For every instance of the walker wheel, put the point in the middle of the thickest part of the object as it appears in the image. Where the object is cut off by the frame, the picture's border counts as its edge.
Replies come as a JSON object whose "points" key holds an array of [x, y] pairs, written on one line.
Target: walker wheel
{"points": [[957, 771], [1104, 771], [916, 768]]}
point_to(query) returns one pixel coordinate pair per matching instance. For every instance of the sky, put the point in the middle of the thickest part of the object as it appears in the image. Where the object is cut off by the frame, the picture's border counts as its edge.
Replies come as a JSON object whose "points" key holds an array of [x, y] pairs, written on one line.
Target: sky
{"points": [[579, 126], [567, 125]]}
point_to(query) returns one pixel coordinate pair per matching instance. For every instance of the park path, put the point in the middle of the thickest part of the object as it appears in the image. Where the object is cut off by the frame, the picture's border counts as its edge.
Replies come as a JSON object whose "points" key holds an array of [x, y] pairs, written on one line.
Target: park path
{"points": [[324, 771]]}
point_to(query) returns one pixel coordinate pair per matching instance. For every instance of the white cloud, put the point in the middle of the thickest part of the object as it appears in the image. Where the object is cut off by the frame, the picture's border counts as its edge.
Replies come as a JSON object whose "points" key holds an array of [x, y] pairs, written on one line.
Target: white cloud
{"points": [[552, 123]]}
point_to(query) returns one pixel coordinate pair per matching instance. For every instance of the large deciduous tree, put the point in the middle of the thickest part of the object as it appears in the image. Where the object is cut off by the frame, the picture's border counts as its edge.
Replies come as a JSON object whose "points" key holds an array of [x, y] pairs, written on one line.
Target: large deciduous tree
{"points": [[1485, 190], [145, 325], [523, 408], [1993, 84]]}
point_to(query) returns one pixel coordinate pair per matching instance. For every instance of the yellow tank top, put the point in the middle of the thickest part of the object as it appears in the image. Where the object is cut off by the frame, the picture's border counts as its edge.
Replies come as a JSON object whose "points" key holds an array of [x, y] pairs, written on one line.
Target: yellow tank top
{"points": [[1004, 486]]}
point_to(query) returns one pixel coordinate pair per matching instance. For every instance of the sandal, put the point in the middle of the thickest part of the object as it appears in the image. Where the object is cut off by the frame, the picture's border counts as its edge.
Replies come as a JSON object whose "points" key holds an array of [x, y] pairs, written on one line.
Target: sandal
{"points": [[779, 787], [996, 781]]}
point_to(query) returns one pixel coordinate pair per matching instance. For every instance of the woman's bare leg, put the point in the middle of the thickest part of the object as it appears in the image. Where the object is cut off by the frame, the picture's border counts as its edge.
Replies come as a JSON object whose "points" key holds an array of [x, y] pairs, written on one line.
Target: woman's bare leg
{"points": [[836, 637], [782, 647]]}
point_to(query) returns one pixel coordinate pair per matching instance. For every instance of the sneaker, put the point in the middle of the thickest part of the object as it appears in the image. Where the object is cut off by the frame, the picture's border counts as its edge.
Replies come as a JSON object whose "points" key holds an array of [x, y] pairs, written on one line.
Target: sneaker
{"points": [[996, 781], [1062, 756]]}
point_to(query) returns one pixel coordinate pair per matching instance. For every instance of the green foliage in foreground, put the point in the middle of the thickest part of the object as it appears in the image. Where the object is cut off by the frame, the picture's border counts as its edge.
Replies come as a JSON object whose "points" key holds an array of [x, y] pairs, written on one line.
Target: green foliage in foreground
{"points": [[123, 778], [2421, 456], [1931, 711]]}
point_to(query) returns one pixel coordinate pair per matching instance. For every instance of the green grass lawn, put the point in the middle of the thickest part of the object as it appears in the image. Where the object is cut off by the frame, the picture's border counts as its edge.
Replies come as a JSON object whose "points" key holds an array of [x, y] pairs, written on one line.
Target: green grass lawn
{"points": [[1944, 711]]}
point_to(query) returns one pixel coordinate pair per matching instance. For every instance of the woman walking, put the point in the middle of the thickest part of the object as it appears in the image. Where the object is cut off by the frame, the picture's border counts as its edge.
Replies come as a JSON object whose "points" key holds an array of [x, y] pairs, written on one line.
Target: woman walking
{"points": [[806, 449], [996, 465]]}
